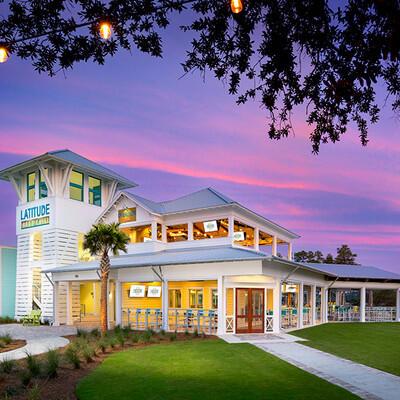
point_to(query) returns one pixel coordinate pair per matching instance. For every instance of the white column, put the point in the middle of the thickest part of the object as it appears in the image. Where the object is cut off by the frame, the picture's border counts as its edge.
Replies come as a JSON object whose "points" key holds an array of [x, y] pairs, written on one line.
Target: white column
{"points": [[274, 246], [56, 290], [69, 304], [362, 304], [398, 305], [231, 227], [221, 308], [256, 239], [290, 251], [164, 233], [300, 305], [108, 305], [164, 304], [277, 307], [324, 302], [118, 303], [190, 230], [154, 231], [313, 304]]}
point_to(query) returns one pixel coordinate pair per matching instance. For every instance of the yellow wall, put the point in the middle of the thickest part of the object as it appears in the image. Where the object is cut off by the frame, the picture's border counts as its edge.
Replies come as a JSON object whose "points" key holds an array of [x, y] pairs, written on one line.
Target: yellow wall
{"points": [[270, 300], [90, 296], [139, 302], [229, 301]]}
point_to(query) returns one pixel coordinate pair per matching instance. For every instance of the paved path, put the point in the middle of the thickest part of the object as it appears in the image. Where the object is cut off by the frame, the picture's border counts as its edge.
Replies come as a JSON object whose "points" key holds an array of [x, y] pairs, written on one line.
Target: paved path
{"points": [[365, 382], [39, 339]]}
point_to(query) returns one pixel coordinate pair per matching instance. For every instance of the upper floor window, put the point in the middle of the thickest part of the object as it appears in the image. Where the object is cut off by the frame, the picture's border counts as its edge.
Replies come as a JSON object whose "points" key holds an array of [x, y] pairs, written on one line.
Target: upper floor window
{"points": [[243, 234], [31, 186], [76, 186], [127, 215], [177, 233], [138, 234], [94, 191], [210, 229], [43, 191]]}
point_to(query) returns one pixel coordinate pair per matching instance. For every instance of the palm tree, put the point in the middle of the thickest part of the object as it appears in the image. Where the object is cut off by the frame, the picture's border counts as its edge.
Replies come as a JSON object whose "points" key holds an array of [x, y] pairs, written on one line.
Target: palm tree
{"points": [[102, 240]]}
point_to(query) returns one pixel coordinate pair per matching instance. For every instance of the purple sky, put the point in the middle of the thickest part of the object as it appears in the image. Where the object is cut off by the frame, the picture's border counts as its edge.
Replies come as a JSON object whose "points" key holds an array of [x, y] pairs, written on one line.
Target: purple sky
{"points": [[173, 136]]}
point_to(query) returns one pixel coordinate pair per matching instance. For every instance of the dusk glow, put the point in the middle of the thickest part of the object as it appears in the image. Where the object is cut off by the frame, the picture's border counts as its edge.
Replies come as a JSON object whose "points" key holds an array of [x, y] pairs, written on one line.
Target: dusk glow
{"points": [[175, 135]]}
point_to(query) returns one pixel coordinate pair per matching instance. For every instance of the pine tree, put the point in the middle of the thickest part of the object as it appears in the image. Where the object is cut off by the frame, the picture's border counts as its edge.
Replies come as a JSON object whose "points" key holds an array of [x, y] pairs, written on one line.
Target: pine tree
{"points": [[329, 259], [345, 255]]}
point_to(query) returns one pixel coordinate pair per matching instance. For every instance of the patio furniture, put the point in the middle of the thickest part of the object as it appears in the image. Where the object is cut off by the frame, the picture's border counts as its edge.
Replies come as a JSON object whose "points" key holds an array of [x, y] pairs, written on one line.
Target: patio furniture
{"points": [[33, 318]]}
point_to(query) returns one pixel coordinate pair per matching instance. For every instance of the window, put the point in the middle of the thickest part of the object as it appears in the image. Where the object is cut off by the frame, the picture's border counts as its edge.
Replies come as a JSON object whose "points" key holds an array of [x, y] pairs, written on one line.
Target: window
{"points": [[210, 229], [159, 232], [138, 234], [43, 191], [243, 234], [177, 233], [94, 191], [30, 186], [196, 298], [76, 186], [127, 215], [214, 299], [175, 298]]}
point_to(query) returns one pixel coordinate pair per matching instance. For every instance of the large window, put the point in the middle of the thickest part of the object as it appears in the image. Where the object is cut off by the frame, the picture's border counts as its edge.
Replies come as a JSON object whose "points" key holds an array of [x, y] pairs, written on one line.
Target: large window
{"points": [[196, 298], [243, 234], [214, 299], [127, 215], [177, 233], [175, 298], [76, 186], [43, 191], [210, 229], [94, 191], [30, 186], [138, 234]]}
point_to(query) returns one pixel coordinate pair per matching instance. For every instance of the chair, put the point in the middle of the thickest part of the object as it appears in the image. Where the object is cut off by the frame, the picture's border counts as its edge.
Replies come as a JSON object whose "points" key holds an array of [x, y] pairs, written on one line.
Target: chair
{"points": [[33, 318]]}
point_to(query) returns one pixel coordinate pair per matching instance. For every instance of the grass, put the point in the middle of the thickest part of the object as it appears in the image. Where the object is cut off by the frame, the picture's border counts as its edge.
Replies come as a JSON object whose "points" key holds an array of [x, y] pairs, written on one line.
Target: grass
{"points": [[374, 344], [199, 370]]}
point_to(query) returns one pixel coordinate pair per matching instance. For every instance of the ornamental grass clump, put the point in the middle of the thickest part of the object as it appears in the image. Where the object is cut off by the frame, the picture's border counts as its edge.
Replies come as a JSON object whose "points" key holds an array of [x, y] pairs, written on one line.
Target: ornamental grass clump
{"points": [[25, 377], [88, 353], [72, 356], [6, 339], [33, 365], [135, 337], [34, 393], [112, 341], [121, 340], [52, 363], [7, 365], [172, 338], [95, 333], [102, 345]]}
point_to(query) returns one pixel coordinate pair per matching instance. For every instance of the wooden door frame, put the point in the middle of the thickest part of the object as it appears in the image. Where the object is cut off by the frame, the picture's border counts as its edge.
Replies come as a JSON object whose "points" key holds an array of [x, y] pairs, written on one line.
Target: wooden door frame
{"points": [[249, 307]]}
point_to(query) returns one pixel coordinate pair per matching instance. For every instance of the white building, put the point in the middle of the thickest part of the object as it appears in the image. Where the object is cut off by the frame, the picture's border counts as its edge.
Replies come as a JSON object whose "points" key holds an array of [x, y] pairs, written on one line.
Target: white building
{"points": [[202, 261]]}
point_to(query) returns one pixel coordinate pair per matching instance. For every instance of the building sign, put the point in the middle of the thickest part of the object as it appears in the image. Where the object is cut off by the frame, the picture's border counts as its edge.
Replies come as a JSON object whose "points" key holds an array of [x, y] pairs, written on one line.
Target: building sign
{"points": [[32, 217], [127, 215], [154, 291], [137, 291], [239, 236], [210, 226], [290, 289]]}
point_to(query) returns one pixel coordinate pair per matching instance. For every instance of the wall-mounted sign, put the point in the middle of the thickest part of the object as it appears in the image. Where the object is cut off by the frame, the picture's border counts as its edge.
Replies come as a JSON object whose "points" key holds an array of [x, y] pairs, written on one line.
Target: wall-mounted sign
{"points": [[127, 215], [210, 226], [154, 291], [35, 216], [137, 291], [239, 236], [290, 289]]}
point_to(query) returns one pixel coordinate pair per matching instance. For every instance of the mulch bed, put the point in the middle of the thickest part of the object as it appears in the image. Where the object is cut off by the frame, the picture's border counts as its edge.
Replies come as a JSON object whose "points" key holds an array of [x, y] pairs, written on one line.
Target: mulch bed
{"points": [[63, 386], [15, 344]]}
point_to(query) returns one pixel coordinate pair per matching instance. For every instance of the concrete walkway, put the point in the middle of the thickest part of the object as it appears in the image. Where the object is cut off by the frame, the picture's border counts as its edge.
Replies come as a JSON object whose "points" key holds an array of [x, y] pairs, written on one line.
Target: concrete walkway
{"points": [[365, 382], [39, 339]]}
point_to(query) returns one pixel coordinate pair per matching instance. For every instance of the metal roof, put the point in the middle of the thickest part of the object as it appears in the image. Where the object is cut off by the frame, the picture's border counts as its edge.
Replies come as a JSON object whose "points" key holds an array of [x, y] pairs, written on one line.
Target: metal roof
{"points": [[169, 257], [75, 159], [354, 271]]}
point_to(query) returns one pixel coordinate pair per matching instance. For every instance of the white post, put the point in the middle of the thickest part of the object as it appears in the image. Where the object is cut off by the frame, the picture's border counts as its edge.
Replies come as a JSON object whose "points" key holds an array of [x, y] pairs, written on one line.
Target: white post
{"points": [[118, 303], [56, 290], [190, 230], [325, 308], [300, 305], [108, 305], [154, 231], [362, 304], [313, 304], [69, 304], [277, 307], [231, 227], [398, 305], [256, 239], [221, 309], [164, 304], [164, 233], [290, 251], [274, 245]]}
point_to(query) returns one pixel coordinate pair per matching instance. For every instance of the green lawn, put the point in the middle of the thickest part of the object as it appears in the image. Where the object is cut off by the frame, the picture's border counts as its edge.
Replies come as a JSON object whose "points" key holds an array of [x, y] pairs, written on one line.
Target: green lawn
{"points": [[373, 344], [209, 369]]}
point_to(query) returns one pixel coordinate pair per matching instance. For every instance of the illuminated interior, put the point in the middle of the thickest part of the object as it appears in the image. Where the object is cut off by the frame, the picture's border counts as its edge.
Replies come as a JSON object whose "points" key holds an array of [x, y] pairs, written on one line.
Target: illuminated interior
{"points": [[210, 229], [127, 215], [177, 233], [138, 234], [76, 186], [94, 191], [30, 186], [243, 234]]}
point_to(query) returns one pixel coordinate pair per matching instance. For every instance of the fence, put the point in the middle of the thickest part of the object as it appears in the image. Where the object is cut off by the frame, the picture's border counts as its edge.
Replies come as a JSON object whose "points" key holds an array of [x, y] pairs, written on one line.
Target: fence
{"points": [[343, 313], [380, 314]]}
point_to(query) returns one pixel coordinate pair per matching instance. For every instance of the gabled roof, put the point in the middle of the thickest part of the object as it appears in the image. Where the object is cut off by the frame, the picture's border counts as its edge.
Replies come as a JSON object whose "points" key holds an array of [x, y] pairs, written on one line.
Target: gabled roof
{"points": [[76, 160], [354, 271]]}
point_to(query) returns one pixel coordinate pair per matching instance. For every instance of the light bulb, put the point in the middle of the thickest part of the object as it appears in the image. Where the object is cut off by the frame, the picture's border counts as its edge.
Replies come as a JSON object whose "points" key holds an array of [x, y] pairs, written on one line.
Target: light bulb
{"points": [[236, 6], [3, 54], [105, 30]]}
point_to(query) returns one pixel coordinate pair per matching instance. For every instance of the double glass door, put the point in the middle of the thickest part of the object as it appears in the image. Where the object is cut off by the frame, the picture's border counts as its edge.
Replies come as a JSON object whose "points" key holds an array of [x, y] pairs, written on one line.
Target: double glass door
{"points": [[249, 310]]}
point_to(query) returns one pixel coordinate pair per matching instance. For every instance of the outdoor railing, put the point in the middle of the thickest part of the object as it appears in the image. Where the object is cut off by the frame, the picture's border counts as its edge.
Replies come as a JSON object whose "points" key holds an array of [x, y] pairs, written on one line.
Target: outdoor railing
{"points": [[142, 318], [380, 314], [343, 313], [200, 320], [307, 316], [289, 317], [269, 321]]}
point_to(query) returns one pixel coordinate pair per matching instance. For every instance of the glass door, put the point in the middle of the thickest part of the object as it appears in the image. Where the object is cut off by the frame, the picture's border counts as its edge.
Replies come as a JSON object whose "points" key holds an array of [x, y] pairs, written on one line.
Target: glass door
{"points": [[249, 310]]}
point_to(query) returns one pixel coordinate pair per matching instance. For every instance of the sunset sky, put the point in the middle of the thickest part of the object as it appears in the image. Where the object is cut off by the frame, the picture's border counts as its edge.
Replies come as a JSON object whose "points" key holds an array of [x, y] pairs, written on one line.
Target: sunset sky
{"points": [[173, 136]]}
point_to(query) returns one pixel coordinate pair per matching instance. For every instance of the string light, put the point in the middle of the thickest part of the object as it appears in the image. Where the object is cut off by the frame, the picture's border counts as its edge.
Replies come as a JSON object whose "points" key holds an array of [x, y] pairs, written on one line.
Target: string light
{"points": [[236, 6], [105, 30], [3, 54]]}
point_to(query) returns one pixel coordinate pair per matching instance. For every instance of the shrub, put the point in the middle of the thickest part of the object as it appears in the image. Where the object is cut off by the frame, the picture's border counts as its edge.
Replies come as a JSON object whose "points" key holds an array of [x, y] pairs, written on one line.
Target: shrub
{"points": [[102, 345], [52, 363], [25, 377], [95, 332], [72, 356], [88, 353], [195, 333], [135, 338], [126, 331], [151, 332], [7, 320], [7, 365], [81, 333], [33, 364], [162, 332], [117, 329], [172, 338], [121, 340], [34, 393], [112, 341], [186, 332], [6, 339], [145, 337]]}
